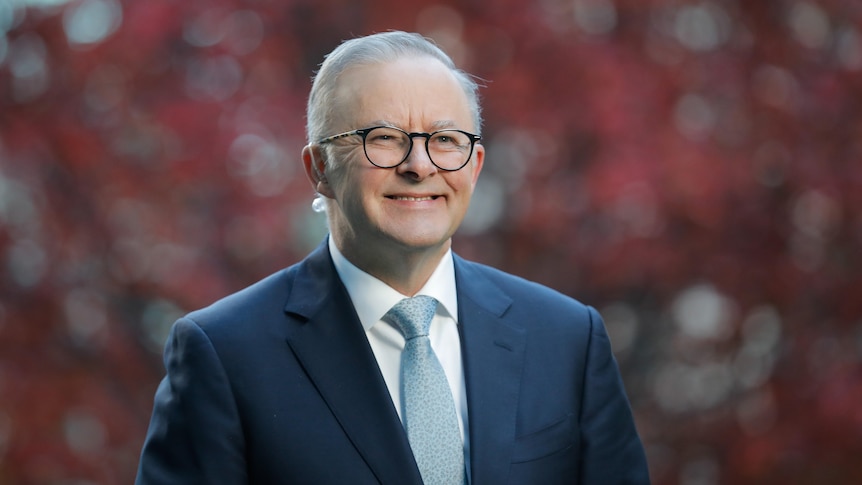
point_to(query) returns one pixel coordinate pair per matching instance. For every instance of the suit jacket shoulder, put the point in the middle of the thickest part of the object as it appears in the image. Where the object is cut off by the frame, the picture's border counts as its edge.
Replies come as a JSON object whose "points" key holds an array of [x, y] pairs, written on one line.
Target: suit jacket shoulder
{"points": [[504, 290], [300, 290], [266, 296]]}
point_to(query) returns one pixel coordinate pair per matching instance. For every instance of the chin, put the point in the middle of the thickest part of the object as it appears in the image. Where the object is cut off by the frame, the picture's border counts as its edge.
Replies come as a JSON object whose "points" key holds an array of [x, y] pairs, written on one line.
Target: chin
{"points": [[422, 241]]}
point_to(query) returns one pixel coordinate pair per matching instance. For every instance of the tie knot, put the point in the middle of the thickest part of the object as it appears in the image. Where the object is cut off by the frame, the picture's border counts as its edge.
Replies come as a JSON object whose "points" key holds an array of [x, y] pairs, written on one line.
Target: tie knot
{"points": [[413, 315]]}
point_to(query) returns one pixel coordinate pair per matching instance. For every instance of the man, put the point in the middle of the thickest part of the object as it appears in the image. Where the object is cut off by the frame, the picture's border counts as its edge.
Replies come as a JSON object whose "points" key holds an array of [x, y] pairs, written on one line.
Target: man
{"points": [[317, 375]]}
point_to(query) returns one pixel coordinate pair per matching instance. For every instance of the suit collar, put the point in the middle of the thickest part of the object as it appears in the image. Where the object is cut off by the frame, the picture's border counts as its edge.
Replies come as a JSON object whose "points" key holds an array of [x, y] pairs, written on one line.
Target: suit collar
{"points": [[330, 343], [372, 298], [474, 285]]}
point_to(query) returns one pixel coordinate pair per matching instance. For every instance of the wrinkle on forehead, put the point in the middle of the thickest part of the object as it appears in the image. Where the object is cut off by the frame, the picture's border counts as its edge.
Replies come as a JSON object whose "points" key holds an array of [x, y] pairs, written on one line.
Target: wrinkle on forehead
{"points": [[411, 93]]}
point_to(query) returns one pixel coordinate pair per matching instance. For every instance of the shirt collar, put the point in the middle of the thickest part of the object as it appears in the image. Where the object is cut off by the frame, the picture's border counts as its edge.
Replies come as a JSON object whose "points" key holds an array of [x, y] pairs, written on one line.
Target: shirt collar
{"points": [[372, 298]]}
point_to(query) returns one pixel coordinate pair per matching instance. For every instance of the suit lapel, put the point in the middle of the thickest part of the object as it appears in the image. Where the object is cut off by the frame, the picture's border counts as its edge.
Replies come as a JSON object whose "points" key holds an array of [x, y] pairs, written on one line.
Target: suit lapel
{"points": [[334, 351], [493, 354]]}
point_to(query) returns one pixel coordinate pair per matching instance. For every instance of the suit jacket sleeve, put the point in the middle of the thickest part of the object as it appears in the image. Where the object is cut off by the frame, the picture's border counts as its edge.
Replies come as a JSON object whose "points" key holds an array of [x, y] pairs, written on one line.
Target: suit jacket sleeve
{"points": [[195, 435], [611, 449]]}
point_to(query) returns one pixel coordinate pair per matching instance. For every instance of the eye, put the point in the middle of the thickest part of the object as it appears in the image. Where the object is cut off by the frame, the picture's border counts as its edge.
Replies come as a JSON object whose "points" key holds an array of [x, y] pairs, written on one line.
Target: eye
{"points": [[449, 140], [385, 138]]}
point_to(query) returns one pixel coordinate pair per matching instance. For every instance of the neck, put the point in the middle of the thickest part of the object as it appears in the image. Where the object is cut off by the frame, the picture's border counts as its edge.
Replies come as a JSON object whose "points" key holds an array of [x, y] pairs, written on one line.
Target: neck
{"points": [[405, 270]]}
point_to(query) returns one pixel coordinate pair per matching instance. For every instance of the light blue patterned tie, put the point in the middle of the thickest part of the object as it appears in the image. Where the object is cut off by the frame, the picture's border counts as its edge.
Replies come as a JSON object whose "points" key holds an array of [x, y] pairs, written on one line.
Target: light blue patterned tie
{"points": [[427, 404]]}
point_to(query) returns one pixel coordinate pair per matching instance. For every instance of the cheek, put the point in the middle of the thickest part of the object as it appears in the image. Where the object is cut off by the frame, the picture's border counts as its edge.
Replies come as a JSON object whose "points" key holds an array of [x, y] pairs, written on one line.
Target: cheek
{"points": [[340, 159], [463, 183], [336, 168], [341, 174], [355, 189]]}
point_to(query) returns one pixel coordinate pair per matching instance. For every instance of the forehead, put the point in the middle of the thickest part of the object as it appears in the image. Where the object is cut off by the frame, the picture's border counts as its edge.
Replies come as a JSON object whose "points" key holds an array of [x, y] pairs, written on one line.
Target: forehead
{"points": [[411, 92]]}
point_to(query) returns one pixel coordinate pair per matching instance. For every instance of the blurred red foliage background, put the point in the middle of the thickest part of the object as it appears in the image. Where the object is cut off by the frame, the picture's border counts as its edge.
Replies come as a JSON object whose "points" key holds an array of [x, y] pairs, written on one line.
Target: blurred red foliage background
{"points": [[691, 168]]}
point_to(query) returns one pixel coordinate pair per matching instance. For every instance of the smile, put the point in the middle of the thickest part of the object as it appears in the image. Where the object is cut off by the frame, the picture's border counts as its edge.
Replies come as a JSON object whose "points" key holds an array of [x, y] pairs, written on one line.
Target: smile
{"points": [[412, 199]]}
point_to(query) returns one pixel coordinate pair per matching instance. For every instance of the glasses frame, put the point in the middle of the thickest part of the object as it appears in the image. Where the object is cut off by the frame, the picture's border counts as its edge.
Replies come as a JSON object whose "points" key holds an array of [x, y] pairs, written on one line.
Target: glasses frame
{"points": [[363, 132]]}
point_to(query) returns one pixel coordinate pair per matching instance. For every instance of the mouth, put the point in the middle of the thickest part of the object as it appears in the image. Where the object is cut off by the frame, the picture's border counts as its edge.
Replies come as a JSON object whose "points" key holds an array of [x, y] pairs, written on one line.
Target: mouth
{"points": [[408, 198]]}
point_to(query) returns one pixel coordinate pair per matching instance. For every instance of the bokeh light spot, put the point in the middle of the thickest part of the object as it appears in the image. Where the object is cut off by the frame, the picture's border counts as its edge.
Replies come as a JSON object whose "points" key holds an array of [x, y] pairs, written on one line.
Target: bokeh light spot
{"points": [[595, 17], [26, 262], [703, 470], [92, 21], [27, 59], [18, 211], [8, 12], [4, 48], [694, 116], [206, 29], [816, 214], [86, 315], [85, 433], [623, 324], [776, 87], [245, 32], [761, 330], [445, 25], [215, 79], [637, 209], [261, 163], [761, 334], [809, 24], [487, 206], [701, 312], [701, 27], [158, 317], [680, 388], [849, 49]]}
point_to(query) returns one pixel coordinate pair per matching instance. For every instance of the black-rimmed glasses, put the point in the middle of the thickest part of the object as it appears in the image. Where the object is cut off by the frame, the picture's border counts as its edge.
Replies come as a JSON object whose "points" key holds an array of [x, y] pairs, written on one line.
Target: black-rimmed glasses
{"points": [[388, 147]]}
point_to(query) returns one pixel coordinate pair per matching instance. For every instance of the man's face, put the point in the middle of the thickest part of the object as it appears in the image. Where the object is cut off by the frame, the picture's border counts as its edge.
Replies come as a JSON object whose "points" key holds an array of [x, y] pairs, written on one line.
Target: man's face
{"points": [[414, 206]]}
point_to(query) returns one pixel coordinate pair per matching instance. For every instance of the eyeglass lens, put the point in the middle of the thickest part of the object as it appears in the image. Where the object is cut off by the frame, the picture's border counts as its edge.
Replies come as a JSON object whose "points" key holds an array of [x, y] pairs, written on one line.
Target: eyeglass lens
{"points": [[387, 147]]}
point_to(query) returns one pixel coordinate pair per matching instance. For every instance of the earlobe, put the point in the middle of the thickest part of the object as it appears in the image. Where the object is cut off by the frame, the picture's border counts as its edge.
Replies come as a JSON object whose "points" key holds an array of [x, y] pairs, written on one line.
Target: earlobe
{"points": [[315, 170]]}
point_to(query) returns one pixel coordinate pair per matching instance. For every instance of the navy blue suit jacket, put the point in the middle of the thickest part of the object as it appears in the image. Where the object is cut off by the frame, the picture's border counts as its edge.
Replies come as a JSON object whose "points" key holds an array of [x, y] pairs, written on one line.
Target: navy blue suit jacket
{"points": [[277, 384]]}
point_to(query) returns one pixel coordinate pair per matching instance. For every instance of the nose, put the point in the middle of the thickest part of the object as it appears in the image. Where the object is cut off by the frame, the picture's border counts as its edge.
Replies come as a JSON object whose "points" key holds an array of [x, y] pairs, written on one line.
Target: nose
{"points": [[418, 164]]}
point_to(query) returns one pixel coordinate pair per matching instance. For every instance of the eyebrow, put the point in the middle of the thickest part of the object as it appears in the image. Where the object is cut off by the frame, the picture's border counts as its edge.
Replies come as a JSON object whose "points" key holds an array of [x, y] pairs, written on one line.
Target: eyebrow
{"points": [[443, 124]]}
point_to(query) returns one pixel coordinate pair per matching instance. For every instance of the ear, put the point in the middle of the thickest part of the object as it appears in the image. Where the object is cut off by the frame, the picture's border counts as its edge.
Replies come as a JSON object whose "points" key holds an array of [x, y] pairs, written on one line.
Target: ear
{"points": [[477, 163], [315, 170]]}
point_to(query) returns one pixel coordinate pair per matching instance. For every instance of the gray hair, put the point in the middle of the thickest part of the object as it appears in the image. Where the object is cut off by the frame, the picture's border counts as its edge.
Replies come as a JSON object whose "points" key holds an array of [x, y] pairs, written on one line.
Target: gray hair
{"points": [[373, 49]]}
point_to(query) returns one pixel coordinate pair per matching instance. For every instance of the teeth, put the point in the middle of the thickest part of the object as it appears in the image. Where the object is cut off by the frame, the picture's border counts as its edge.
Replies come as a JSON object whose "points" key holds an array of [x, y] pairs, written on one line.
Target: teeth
{"points": [[413, 199]]}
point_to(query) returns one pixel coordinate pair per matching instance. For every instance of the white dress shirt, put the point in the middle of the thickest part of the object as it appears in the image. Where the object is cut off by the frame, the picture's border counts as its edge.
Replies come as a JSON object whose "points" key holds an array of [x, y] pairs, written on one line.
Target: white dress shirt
{"points": [[373, 298]]}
